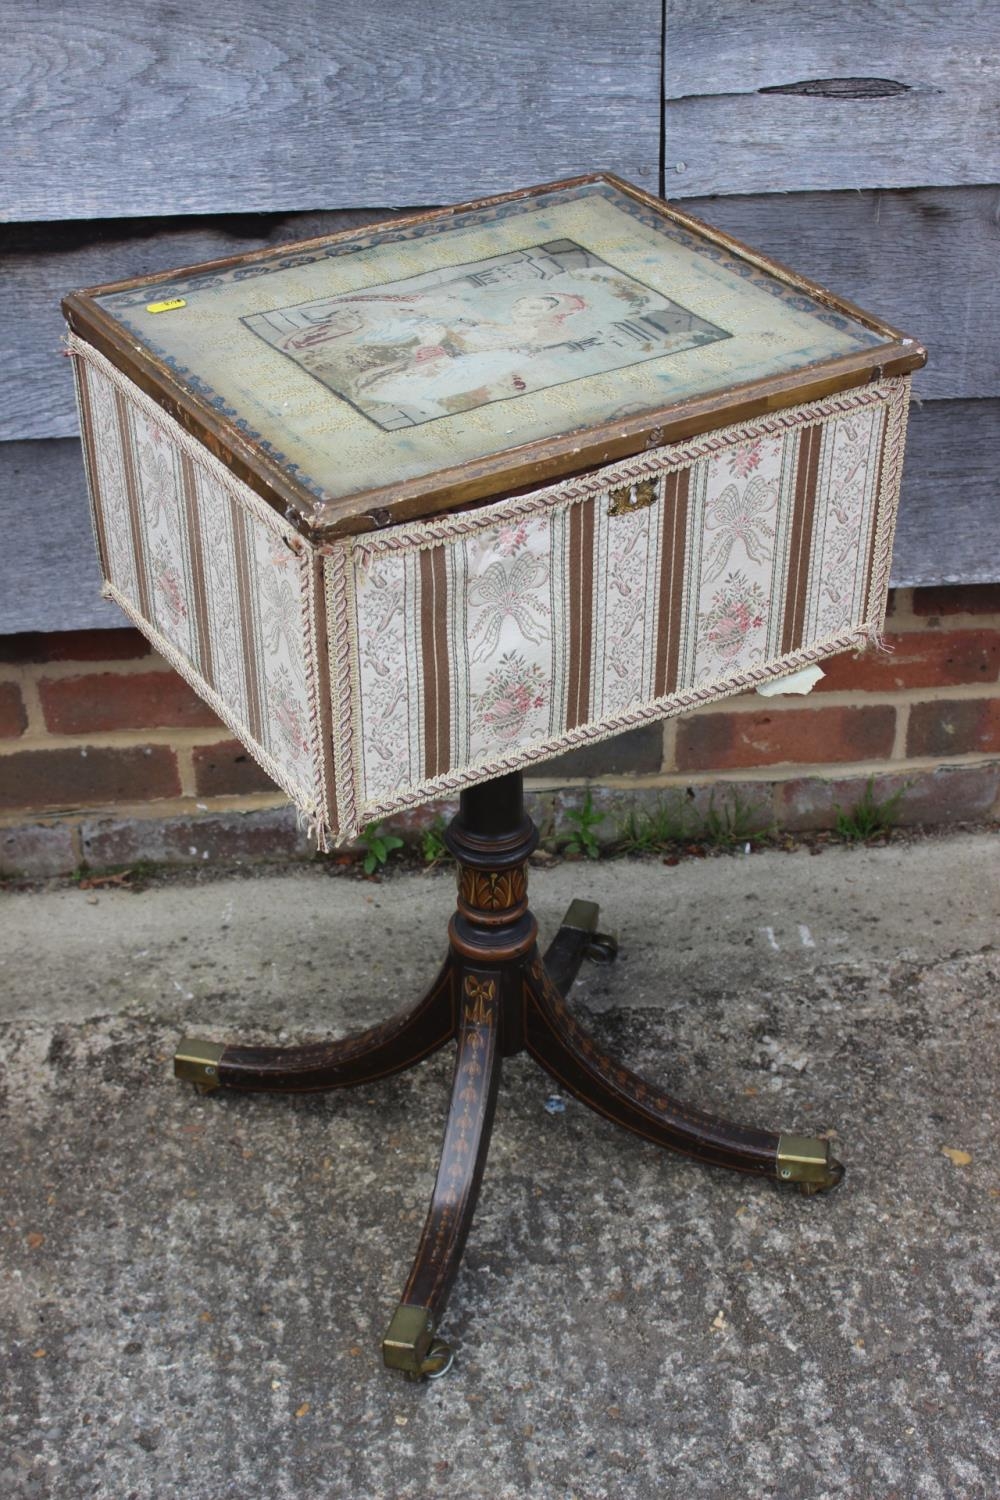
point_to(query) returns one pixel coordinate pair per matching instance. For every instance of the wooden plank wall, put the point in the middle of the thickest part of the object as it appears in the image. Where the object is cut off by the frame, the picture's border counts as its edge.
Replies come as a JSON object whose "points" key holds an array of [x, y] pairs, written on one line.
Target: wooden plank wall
{"points": [[860, 145]]}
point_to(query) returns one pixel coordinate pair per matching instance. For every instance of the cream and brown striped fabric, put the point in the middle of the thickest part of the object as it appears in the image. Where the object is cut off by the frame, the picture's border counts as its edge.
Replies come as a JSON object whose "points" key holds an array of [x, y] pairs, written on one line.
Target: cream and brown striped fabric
{"points": [[220, 584], [398, 666], [495, 638]]}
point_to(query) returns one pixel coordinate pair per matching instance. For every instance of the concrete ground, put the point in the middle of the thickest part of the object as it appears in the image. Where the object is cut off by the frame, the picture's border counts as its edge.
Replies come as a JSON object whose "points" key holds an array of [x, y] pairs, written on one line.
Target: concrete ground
{"points": [[194, 1288]]}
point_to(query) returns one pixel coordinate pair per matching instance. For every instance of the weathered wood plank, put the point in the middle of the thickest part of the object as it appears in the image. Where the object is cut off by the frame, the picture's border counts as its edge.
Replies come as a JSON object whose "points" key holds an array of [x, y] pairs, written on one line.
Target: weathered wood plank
{"points": [[39, 263], [947, 530], [795, 95], [49, 578], [263, 105], [922, 259]]}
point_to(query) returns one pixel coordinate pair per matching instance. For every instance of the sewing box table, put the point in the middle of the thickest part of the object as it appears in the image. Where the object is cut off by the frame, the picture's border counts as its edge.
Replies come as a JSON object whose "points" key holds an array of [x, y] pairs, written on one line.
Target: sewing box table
{"points": [[417, 506]]}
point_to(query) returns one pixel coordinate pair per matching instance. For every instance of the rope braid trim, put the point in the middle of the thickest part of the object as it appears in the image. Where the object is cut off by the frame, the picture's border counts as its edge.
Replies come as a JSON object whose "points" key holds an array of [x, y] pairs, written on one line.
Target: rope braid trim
{"points": [[887, 502], [313, 805], [345, 688], [452, 782], [419, 535]]}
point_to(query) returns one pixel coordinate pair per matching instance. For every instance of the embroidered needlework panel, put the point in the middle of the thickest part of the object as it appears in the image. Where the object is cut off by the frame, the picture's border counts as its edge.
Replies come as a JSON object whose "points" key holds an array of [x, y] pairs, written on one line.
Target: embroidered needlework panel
{"points": [[222, 587], [456, 339], [492, 639]]}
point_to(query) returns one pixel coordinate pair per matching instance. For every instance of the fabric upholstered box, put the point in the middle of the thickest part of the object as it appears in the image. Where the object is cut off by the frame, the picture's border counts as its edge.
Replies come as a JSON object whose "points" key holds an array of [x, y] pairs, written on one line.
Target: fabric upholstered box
{"points": [[421, 504]]}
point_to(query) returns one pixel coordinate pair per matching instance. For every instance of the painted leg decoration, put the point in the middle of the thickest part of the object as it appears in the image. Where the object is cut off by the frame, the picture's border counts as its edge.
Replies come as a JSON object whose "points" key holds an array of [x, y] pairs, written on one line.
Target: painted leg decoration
{"points": [[410, 1344], [566, 1051], [384, 1049]]}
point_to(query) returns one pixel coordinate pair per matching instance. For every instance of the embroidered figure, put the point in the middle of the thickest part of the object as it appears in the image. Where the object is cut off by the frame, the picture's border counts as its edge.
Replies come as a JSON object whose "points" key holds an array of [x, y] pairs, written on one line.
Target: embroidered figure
{"points": [[488, 330]]}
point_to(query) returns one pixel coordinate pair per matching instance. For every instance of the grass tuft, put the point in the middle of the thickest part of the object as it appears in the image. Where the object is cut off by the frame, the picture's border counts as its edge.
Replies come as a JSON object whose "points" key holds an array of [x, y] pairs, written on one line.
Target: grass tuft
{"points": [[651, 832], [869, 818], [432, 845], [584, 821], [736, 822]]}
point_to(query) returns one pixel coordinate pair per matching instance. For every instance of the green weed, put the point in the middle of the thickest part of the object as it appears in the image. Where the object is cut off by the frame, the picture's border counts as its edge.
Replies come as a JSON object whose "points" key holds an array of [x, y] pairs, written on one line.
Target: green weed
{"points": [[377, 847], [869, 818], [432, 845], [645, 832], [736, 822], [584, 821]]}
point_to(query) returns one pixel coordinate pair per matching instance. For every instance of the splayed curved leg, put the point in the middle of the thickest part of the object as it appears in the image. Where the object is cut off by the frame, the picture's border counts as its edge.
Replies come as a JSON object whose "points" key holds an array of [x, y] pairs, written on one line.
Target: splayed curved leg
{"points": [[389, 1047], [497, 997], [566, 1051], [410, 1343]]}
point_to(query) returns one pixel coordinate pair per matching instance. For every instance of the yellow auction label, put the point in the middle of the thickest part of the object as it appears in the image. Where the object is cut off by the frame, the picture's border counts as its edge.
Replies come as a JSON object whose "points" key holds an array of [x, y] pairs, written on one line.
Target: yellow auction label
{"points": [[166, 306]]}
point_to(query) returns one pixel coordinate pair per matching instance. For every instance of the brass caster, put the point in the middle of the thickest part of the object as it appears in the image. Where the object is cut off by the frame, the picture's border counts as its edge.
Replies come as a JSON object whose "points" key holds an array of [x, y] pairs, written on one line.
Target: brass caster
{"points": [[602, 948], [804, 1162], [440, 1358], [410, 1346], [197, 1062], [581, 916], [834, 1175]]}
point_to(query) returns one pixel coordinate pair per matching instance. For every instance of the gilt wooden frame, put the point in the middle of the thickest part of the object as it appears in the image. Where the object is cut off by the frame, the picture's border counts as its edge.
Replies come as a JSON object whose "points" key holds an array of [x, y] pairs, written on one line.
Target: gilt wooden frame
{"points": [[520, 467]]}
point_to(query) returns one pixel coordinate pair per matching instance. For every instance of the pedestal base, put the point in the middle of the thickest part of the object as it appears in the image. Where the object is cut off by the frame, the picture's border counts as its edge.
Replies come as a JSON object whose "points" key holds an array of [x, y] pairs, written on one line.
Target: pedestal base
{"points": [[495, 996]]}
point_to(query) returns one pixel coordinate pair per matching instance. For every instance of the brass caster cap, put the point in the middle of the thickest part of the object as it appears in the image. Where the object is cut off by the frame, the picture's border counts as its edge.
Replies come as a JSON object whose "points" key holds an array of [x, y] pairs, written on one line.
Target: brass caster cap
{"points": [[410, 1346], [804, 1162], [835, 1175], [602, 948], [197, 1061]]}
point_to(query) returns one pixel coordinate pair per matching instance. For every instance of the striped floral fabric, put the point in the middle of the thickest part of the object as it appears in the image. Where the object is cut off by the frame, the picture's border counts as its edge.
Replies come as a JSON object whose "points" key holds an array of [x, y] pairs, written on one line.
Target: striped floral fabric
{"points": [[222, 586], [492, 639], [400, 665]]}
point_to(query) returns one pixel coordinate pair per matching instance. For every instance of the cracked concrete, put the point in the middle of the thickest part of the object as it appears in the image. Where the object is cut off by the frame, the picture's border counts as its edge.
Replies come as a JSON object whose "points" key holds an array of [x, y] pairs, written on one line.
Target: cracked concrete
{"points": [[193, 1288]]}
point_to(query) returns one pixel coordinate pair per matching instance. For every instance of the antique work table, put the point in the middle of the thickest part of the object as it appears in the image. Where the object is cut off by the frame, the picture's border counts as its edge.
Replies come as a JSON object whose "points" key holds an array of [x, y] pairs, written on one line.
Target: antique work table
{"points": [[417, 506]]}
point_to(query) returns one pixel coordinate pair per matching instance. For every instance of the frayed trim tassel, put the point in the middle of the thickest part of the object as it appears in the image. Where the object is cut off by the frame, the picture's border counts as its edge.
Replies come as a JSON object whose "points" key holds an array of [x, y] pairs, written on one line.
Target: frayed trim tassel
{"points": [[316, 829]]}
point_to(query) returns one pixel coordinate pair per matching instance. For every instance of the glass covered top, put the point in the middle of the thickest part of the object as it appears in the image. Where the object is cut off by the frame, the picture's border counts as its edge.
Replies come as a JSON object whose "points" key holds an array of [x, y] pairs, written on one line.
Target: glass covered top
{"points": [[363, 362]]}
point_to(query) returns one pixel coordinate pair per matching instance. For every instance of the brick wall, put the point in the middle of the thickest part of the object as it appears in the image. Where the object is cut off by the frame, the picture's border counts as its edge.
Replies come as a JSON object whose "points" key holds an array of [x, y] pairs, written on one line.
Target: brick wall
{"points": [[107, 757]]}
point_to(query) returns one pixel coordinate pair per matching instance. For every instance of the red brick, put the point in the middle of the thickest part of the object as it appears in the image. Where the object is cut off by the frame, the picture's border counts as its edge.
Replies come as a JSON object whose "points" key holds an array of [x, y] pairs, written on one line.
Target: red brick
{"points": [[73, 645], [917, 659], [228, 770], [13, 719], [631, 753], [960, 599], [117, 700], [727, 742], [78, 777], [966, 726], [950, 794]]}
